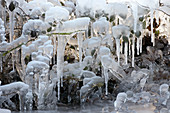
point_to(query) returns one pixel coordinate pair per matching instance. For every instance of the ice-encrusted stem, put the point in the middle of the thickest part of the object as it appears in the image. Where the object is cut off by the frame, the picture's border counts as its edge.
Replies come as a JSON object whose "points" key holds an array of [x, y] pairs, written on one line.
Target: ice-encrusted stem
{"points": [[80, 44], [118, 49], [133, 51], [152, 35], [126, 52], [62, 40], [137, 45], [12, 33], [106, 79]]}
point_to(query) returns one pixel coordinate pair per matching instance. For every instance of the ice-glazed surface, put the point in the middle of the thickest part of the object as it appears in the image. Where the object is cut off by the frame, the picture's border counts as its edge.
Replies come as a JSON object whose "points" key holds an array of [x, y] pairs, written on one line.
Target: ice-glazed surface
{"points": [[5, 111], [79, 24], [78, 52]]}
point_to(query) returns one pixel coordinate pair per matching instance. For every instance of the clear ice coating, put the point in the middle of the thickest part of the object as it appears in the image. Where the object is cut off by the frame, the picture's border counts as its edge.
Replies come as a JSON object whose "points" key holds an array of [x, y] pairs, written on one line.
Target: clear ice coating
{"points": [[47, 37], [120, 100]]}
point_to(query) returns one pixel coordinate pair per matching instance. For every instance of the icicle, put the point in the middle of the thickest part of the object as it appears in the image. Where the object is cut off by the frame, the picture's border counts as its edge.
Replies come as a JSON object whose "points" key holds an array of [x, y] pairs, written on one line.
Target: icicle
{"points": [[1, 69], [118, 50], [137, 46], [106, 79], [80, 41], [62, 40], [55, 46], [126, 54], [152, 36], [121, 45], [86, 34], [140, 44], [91, 29], [129, 46], [135, 15], [133, 51], [11, 25], [11, 34]]}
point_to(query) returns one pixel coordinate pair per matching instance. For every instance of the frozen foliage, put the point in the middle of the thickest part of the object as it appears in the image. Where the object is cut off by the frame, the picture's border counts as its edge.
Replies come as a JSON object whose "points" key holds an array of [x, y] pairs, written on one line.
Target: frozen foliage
{"points": [[57, 46]]}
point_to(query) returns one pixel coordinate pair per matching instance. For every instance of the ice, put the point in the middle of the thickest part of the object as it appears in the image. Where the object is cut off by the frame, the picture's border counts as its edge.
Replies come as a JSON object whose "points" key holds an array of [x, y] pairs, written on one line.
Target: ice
{"points": [[152, 5], [87, 61], [143, 82], [78, 24], [120, 100], [91, 5], [126, 53], [133, 51], [101, 26], [2, 31], [94, 42], [117, 32], [62, 40], [43, 59], [117, 9], [164, 92], [14, 88], [5, 111], [60, 14], [138, 46], [34, 25], [107, 40], [164, 110], [87, 74], [109, 63], [55, 2], [118, 50], [80, 44]]}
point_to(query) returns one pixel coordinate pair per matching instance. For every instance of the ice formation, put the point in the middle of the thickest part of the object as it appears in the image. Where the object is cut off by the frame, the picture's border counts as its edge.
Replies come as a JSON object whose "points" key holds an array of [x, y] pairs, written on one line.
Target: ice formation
{"points": [[56, 33], [120, 100], [16, 87]]}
